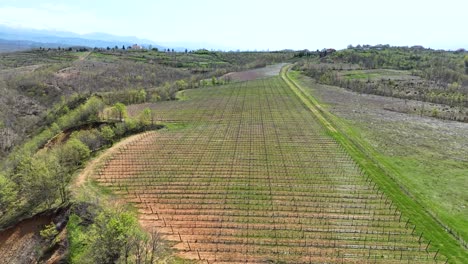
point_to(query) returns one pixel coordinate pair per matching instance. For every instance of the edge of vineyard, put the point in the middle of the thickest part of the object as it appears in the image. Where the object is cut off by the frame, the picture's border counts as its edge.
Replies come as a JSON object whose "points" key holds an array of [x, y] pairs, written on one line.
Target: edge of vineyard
{"points": [[382, 174]]}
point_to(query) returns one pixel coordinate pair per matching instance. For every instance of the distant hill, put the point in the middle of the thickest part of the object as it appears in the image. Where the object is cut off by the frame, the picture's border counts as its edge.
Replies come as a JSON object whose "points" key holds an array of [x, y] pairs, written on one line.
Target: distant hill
{"points": [[29, 38], [182, 45], [17, 45]]}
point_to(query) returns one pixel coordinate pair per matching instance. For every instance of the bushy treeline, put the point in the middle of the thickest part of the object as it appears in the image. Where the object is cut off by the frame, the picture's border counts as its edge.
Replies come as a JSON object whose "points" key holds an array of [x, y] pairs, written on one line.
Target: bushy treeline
{"points": [[440, 75], [36, 176], [453, 95], [108, 233], [165, 92], [84, 113], [439, 66]]}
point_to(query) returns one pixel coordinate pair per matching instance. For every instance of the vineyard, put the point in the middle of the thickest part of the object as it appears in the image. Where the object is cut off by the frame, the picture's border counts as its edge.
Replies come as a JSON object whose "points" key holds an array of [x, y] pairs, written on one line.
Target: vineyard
{"points": [[252, 176]]}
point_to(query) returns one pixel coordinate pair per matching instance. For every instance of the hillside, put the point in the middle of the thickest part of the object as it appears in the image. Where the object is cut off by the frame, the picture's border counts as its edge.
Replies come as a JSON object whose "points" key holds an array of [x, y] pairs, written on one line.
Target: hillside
{"points": [[147, 156], [32, 82]]}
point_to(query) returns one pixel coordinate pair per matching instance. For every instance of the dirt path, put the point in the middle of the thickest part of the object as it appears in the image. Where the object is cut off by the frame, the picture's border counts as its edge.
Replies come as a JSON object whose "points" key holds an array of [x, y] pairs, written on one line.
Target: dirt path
{"points": [[91, 166], [308, 101], [84, 56]]}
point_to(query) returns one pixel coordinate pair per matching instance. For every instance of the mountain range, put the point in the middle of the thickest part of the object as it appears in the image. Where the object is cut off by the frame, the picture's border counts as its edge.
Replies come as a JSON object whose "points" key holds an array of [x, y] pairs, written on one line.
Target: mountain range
{"points": [[17, 38], [12, 39]]}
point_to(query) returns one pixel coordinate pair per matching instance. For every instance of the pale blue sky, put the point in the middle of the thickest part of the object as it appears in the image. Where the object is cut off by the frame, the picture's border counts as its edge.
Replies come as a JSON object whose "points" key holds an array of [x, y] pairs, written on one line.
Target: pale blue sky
{"points": [[254, 24]]}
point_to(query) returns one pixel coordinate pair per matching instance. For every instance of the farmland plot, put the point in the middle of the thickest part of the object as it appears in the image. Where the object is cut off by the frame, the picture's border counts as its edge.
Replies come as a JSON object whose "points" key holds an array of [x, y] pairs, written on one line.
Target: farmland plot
{"points": [[253, 177]]}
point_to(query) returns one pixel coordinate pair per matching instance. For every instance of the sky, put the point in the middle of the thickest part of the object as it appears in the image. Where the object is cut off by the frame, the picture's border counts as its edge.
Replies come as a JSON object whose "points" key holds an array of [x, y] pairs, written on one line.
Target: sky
{"points": [[254, 24]]}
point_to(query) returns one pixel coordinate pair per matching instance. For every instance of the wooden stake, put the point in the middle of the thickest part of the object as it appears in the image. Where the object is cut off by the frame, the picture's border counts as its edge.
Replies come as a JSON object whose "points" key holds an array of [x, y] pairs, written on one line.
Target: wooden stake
{"points": [[428, 245]]}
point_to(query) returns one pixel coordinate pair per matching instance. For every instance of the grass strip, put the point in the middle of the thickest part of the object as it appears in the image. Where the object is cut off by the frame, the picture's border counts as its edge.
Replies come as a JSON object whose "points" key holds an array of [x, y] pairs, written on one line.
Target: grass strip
{"points": [[381, 173]]}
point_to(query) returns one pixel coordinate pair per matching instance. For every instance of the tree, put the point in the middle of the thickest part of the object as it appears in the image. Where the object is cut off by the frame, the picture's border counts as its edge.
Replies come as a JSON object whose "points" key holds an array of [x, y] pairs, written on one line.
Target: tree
{"points": [[108, 134], [60, 173], [120, 129], [74, 153], [113, 237], [54, 128], [113, 231], [49, 232], [92, 138], [146, 117], [8, 194], [3, 135], [141, 96], [35, 177], [181, 85], [466, 64], [88, 111], [121, 110]]}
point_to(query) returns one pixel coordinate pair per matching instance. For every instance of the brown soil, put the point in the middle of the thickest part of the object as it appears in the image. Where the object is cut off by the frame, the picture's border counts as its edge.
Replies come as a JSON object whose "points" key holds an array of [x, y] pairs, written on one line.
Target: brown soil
{"points": [[22, 242], [18, 244], [92, 165], [268, 71], [395, 120], [65, 135], [188, 186]]}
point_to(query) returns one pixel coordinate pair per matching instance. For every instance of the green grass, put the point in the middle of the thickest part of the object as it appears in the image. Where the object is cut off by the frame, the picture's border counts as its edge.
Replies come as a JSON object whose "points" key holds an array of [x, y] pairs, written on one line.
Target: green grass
{"points": [[358, 75], [374, 74], [429, 164], [445, 201], [384, 174], [181, 96], [176, 126], [439, 185], [77, 238]]}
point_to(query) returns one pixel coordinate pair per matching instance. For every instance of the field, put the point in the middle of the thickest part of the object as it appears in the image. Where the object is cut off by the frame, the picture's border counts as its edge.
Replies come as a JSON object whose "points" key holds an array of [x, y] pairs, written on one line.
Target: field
{"points": [[410, 144], [246, 173]]}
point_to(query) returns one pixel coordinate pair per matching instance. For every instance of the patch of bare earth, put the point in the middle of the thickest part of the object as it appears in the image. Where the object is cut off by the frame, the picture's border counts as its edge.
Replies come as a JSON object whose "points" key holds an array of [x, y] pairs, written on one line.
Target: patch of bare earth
{"points": [[92, 166], [18, 244], [397, 120], [268, 71], [22, 242]]}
